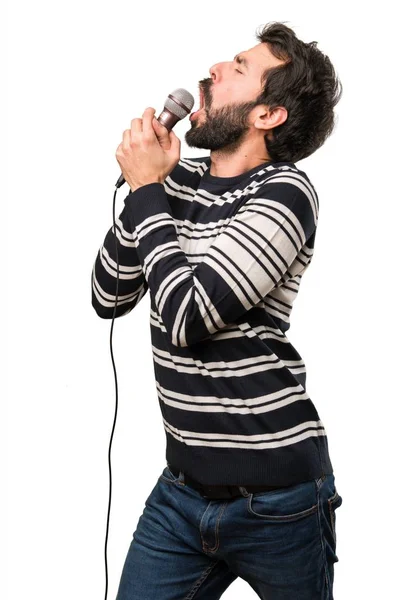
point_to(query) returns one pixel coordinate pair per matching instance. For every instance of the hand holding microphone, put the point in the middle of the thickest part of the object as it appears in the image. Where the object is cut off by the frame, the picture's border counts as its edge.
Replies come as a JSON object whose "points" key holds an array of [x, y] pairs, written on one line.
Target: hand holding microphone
{"points": [[149, 150]]}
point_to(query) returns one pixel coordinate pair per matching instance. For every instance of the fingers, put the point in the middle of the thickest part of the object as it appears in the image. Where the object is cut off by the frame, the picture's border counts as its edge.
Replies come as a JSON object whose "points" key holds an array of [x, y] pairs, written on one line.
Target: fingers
{"points": [[136, 125], [148, 131], [128, 135], [126, 139], [175, 143], [150, 128], [155, 127]]}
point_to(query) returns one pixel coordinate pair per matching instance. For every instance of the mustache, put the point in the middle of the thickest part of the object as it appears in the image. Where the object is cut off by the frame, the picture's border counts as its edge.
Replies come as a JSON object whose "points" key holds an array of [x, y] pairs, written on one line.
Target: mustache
{"points": [[205, 86]]}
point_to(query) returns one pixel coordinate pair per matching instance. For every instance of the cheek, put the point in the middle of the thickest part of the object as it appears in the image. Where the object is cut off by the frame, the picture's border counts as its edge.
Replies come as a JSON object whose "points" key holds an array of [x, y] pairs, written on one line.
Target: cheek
{"points": [[224, 96], [237, 92]]}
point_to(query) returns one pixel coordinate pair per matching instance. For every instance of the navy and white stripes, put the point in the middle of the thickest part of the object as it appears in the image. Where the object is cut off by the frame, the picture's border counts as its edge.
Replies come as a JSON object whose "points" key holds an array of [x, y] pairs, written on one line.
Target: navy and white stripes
{"points": [[223, 259]]}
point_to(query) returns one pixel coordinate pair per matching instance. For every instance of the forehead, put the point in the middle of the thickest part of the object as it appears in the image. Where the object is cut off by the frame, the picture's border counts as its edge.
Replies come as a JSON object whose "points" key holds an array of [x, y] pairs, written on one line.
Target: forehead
{"points": [[260, 57]]}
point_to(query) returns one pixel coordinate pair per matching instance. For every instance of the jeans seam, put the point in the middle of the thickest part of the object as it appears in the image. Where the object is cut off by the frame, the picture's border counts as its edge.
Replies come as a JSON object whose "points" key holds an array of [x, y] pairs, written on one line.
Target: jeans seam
{"points": [[221, 512], [332, 516], [318, 483], [200, 525], [200, 580]]}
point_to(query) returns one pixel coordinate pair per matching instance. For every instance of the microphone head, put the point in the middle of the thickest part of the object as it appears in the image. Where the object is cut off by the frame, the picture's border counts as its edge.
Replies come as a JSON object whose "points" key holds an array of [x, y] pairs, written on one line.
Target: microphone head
{"points": [[180, 103]]}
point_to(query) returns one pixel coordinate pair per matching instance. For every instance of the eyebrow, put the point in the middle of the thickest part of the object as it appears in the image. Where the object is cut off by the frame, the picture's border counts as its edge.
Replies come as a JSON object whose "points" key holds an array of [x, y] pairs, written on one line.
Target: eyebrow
{"points": [[241, 60]]}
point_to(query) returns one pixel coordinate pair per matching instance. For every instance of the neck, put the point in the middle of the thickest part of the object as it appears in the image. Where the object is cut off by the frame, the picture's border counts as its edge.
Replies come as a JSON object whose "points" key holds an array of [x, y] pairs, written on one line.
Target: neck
{"points": [[230, 164]]}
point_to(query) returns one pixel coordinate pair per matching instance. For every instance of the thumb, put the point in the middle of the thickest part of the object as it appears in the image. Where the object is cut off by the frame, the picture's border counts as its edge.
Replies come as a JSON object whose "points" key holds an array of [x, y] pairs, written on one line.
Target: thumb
{"points": [[161, 131], [175, 141], [162, 134]]}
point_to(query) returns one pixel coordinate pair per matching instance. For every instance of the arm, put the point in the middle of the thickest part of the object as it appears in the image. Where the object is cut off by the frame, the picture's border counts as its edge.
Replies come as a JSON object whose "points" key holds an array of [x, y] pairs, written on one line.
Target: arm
{"points": [[132, 285], [246, 261]]}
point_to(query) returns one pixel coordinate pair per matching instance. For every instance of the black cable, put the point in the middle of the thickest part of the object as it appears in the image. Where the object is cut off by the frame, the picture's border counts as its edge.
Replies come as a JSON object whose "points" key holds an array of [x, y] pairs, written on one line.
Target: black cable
{"points": [[116, 392]]}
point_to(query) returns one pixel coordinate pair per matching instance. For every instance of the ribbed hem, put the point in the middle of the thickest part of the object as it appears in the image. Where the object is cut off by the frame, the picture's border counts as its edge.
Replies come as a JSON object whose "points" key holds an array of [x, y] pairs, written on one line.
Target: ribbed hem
{"points": [[287, 466]]}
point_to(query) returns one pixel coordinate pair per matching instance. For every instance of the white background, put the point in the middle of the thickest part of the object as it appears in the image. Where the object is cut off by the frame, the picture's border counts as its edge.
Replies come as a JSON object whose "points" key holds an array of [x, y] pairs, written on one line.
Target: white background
{"points": [[77, 73]]}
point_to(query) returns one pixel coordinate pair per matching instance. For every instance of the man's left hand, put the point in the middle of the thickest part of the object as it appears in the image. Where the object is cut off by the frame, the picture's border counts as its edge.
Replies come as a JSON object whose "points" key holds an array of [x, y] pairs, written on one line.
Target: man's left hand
{"points": [[148, 151]]}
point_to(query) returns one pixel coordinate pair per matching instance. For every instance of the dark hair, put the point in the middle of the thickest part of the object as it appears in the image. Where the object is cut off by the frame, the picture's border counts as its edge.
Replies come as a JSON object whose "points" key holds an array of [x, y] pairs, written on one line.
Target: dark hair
{"points": [[306, 85]]}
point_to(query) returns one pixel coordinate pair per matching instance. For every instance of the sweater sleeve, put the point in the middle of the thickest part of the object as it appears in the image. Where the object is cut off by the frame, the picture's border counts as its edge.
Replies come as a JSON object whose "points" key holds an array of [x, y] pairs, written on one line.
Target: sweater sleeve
{"points": [[132, 285], [247, 260]]}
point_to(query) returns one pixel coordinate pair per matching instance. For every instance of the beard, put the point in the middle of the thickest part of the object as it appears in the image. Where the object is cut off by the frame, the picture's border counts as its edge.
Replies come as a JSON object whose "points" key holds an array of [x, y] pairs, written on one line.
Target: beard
{"points": [[224, 128]]}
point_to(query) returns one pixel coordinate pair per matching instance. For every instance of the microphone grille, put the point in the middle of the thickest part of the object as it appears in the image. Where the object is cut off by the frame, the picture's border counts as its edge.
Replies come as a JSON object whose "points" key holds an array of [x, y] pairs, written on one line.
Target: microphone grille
{"points": [[182, 96]]}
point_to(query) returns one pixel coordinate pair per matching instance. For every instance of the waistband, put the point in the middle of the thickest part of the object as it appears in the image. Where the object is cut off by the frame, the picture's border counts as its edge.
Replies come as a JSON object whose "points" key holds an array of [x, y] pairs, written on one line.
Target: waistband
{"points": [[222, 491]]}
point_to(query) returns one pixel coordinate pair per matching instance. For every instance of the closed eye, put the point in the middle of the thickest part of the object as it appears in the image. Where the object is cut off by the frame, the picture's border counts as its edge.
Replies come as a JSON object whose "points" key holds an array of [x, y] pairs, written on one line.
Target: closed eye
{"points": [[241, 60]]}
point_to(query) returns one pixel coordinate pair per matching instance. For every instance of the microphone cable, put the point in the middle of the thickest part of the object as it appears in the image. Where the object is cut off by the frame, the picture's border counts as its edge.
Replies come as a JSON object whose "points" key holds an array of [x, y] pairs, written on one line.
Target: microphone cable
{"points": [[177, 106], [116, 393]]}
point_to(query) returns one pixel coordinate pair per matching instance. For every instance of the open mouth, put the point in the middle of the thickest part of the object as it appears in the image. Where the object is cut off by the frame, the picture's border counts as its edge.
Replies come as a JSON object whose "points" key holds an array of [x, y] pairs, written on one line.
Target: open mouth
{"points": [[201, 96]]}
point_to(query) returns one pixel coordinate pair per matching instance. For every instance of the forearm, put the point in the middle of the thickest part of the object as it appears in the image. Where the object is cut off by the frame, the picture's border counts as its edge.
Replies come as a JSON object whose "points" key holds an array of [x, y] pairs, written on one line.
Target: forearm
{"points": [[132, 285], [247, 260]]}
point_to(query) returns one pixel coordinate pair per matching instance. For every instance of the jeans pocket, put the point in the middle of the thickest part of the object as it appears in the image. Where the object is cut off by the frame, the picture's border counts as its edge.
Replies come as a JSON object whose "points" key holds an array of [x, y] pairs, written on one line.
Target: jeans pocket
{"points": [[333, 503], [285, 504], [168, 476]]}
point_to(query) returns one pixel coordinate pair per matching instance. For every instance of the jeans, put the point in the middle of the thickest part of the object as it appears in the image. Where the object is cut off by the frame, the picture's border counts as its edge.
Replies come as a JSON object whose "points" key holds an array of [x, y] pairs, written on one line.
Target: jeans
{"points": [[282, 542]]}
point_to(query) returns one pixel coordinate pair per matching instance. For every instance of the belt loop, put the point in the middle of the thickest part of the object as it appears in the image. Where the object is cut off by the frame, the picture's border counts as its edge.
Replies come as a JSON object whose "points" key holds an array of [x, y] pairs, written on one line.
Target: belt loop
{"points": [[243, 491]]}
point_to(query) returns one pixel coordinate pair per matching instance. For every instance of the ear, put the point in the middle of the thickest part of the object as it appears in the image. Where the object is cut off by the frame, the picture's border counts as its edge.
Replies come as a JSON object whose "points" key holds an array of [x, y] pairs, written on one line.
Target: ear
{"points": [[266, 119]]}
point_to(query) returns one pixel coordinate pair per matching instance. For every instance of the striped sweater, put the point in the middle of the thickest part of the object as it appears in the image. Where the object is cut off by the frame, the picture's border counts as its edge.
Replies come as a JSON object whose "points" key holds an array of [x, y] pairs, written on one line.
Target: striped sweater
{"points": [[223, 258]]}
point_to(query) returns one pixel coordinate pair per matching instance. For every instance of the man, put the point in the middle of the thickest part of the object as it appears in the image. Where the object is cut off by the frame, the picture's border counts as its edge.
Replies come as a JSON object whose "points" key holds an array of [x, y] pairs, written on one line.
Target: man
{"points": [[222, 243]]}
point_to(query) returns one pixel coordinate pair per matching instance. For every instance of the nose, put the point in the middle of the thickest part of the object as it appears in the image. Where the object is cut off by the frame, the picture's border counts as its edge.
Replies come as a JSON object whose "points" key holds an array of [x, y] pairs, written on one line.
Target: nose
{"points": [[215, 71], [211, 70]]}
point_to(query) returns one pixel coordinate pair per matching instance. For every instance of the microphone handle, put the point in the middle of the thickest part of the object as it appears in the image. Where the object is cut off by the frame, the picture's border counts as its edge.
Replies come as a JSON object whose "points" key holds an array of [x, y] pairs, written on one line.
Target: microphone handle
{"points": [[166, 118]]}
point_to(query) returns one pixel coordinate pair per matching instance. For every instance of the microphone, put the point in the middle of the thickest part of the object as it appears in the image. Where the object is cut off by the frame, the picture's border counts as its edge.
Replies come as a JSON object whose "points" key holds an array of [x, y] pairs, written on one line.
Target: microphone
{"points": [[176, 107]]}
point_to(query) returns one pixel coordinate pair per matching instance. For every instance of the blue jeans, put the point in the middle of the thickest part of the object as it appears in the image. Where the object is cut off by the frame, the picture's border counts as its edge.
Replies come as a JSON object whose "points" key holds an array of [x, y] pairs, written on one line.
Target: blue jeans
{"points": [[282, 542]]}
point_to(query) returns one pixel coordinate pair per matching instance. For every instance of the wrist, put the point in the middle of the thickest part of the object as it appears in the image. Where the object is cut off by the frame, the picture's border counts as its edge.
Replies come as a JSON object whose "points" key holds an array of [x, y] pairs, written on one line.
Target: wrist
{"points": [[135, 186]]}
